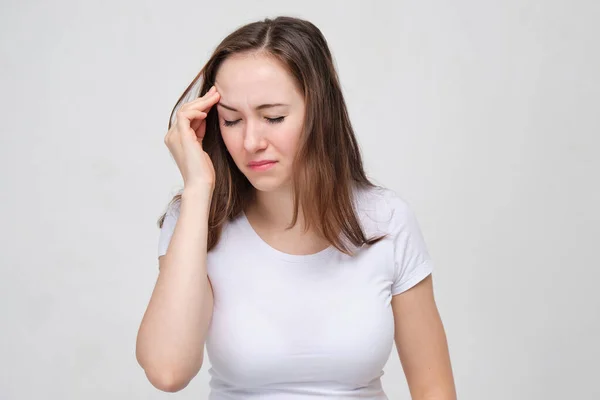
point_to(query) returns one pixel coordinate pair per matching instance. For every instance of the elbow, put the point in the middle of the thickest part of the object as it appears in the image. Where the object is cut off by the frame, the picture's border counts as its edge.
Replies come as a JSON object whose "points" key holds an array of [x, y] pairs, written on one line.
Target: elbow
{"points": [[167, 373], [167, 381]]}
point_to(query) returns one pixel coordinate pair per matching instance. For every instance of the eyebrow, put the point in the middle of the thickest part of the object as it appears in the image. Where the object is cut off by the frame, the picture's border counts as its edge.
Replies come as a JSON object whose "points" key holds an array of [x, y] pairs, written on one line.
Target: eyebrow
{"points": [[261, 107]]}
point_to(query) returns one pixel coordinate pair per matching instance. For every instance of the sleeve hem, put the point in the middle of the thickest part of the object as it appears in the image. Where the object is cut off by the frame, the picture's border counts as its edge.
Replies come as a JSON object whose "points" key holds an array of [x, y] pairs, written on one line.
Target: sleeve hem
{"points": [[421, 272]]}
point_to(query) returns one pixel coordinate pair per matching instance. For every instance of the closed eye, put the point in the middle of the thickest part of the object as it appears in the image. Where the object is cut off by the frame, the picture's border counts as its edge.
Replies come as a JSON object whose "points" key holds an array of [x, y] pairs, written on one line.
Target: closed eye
{"points": [[229, 123], [269, 120], [275, 120]]}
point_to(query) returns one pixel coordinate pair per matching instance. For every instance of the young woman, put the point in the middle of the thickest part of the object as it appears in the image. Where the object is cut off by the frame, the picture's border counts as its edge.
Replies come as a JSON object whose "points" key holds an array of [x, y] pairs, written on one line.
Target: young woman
{"points": [[280, 255]]}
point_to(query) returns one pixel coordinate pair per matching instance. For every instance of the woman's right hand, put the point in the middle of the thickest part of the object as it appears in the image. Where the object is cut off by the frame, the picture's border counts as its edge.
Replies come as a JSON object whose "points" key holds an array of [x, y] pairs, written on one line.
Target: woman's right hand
{"points": [[184, 140]]}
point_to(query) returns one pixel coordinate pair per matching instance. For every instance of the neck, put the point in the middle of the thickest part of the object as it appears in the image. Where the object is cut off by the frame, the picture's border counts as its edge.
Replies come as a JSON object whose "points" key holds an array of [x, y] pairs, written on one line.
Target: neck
{"points": [[276, 208]]}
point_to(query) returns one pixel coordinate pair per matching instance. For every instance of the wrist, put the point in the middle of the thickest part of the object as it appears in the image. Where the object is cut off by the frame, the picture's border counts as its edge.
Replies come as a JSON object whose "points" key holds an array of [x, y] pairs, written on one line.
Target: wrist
{"points": [[197, 195]]}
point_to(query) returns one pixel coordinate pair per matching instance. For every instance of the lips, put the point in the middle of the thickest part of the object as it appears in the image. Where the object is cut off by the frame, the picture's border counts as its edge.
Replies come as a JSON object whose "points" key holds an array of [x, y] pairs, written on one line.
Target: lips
{"points": [[259, 163]]}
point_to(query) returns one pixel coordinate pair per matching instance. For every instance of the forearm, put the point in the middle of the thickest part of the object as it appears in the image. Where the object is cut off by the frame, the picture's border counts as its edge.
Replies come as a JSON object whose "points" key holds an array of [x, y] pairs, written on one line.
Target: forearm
{"points": [[172, 334]]}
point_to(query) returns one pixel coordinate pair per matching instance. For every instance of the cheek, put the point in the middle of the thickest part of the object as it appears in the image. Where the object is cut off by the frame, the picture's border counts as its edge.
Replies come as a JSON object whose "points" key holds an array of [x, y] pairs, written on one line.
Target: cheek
{"points": [[287, 140], [232, 142]]}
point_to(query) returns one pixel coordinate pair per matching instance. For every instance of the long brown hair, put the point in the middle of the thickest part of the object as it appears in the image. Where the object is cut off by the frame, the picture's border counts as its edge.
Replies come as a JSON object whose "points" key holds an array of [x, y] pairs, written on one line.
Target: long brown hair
{"points": [[328, 166]]}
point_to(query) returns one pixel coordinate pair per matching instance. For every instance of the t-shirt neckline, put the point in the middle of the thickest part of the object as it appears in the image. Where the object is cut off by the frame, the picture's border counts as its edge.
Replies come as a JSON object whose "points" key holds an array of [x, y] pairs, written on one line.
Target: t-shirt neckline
{"points": [[293, 258]]}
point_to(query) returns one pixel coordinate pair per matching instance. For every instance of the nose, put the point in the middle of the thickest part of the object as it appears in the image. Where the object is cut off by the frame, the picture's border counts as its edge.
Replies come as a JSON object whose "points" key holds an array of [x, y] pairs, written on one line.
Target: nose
{"points": [[253, 138]]}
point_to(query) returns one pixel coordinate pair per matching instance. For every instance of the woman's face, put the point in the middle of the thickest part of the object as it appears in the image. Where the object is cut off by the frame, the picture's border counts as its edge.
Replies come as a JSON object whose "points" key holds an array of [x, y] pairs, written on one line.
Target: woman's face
{"points": [[261, 115]]}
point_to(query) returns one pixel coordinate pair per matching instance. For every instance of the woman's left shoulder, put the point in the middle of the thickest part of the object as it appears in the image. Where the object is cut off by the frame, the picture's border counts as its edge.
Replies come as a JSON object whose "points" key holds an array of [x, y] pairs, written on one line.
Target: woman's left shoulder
{"points": [[384, 206]]}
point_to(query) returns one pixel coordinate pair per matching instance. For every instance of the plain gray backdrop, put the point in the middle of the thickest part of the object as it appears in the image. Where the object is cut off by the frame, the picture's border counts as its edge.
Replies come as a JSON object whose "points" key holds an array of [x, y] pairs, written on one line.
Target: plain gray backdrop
{"points": [[483, 115]]}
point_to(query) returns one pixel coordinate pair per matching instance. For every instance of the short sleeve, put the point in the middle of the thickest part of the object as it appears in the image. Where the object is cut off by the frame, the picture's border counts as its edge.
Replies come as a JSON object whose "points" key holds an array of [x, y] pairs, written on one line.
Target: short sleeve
{"points": [[412, 262], [168, 227]]}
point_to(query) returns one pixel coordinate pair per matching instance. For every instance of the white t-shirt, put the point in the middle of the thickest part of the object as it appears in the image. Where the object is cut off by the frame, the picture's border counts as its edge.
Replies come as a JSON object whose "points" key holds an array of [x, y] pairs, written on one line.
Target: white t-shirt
{"points": [[302, 327]]}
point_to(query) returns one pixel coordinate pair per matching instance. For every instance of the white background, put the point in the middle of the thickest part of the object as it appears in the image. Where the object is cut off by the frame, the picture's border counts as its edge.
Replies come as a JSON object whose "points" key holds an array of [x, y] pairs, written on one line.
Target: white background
{"points": [[483, 115]]}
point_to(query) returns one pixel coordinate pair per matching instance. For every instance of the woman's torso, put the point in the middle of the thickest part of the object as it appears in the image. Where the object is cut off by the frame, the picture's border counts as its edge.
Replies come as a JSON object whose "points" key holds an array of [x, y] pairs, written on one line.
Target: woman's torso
{"points": [[301, 327]]}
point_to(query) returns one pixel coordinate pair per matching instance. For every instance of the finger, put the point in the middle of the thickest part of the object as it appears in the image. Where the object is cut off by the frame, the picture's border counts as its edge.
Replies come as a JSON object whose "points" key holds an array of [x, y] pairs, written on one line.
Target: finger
{"points": [[196, 124], [201, 130], [206, 95], [203, 103], [210, 91], [192, 114], [183, 114], [198, 121], [186, 119]]}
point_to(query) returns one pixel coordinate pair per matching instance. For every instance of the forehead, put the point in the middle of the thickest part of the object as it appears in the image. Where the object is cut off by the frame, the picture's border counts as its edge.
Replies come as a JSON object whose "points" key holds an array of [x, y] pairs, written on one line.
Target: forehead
{"points": [[251, 78]]}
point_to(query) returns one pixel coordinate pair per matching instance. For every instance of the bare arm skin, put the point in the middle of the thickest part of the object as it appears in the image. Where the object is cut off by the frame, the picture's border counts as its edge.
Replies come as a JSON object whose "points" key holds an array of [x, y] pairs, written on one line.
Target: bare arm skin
{"points": [[170, 342], [422, 345]]}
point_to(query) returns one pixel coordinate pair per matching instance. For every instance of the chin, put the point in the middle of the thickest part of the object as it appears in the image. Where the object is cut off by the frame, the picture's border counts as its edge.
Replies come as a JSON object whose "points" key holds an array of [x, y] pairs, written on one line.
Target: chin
{"points": [[263, 185], [267, 184]]}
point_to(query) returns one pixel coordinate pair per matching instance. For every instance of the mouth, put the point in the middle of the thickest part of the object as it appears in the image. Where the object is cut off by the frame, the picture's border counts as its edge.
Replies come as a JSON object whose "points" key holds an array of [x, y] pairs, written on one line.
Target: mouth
{"points": [[261, 165]]}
